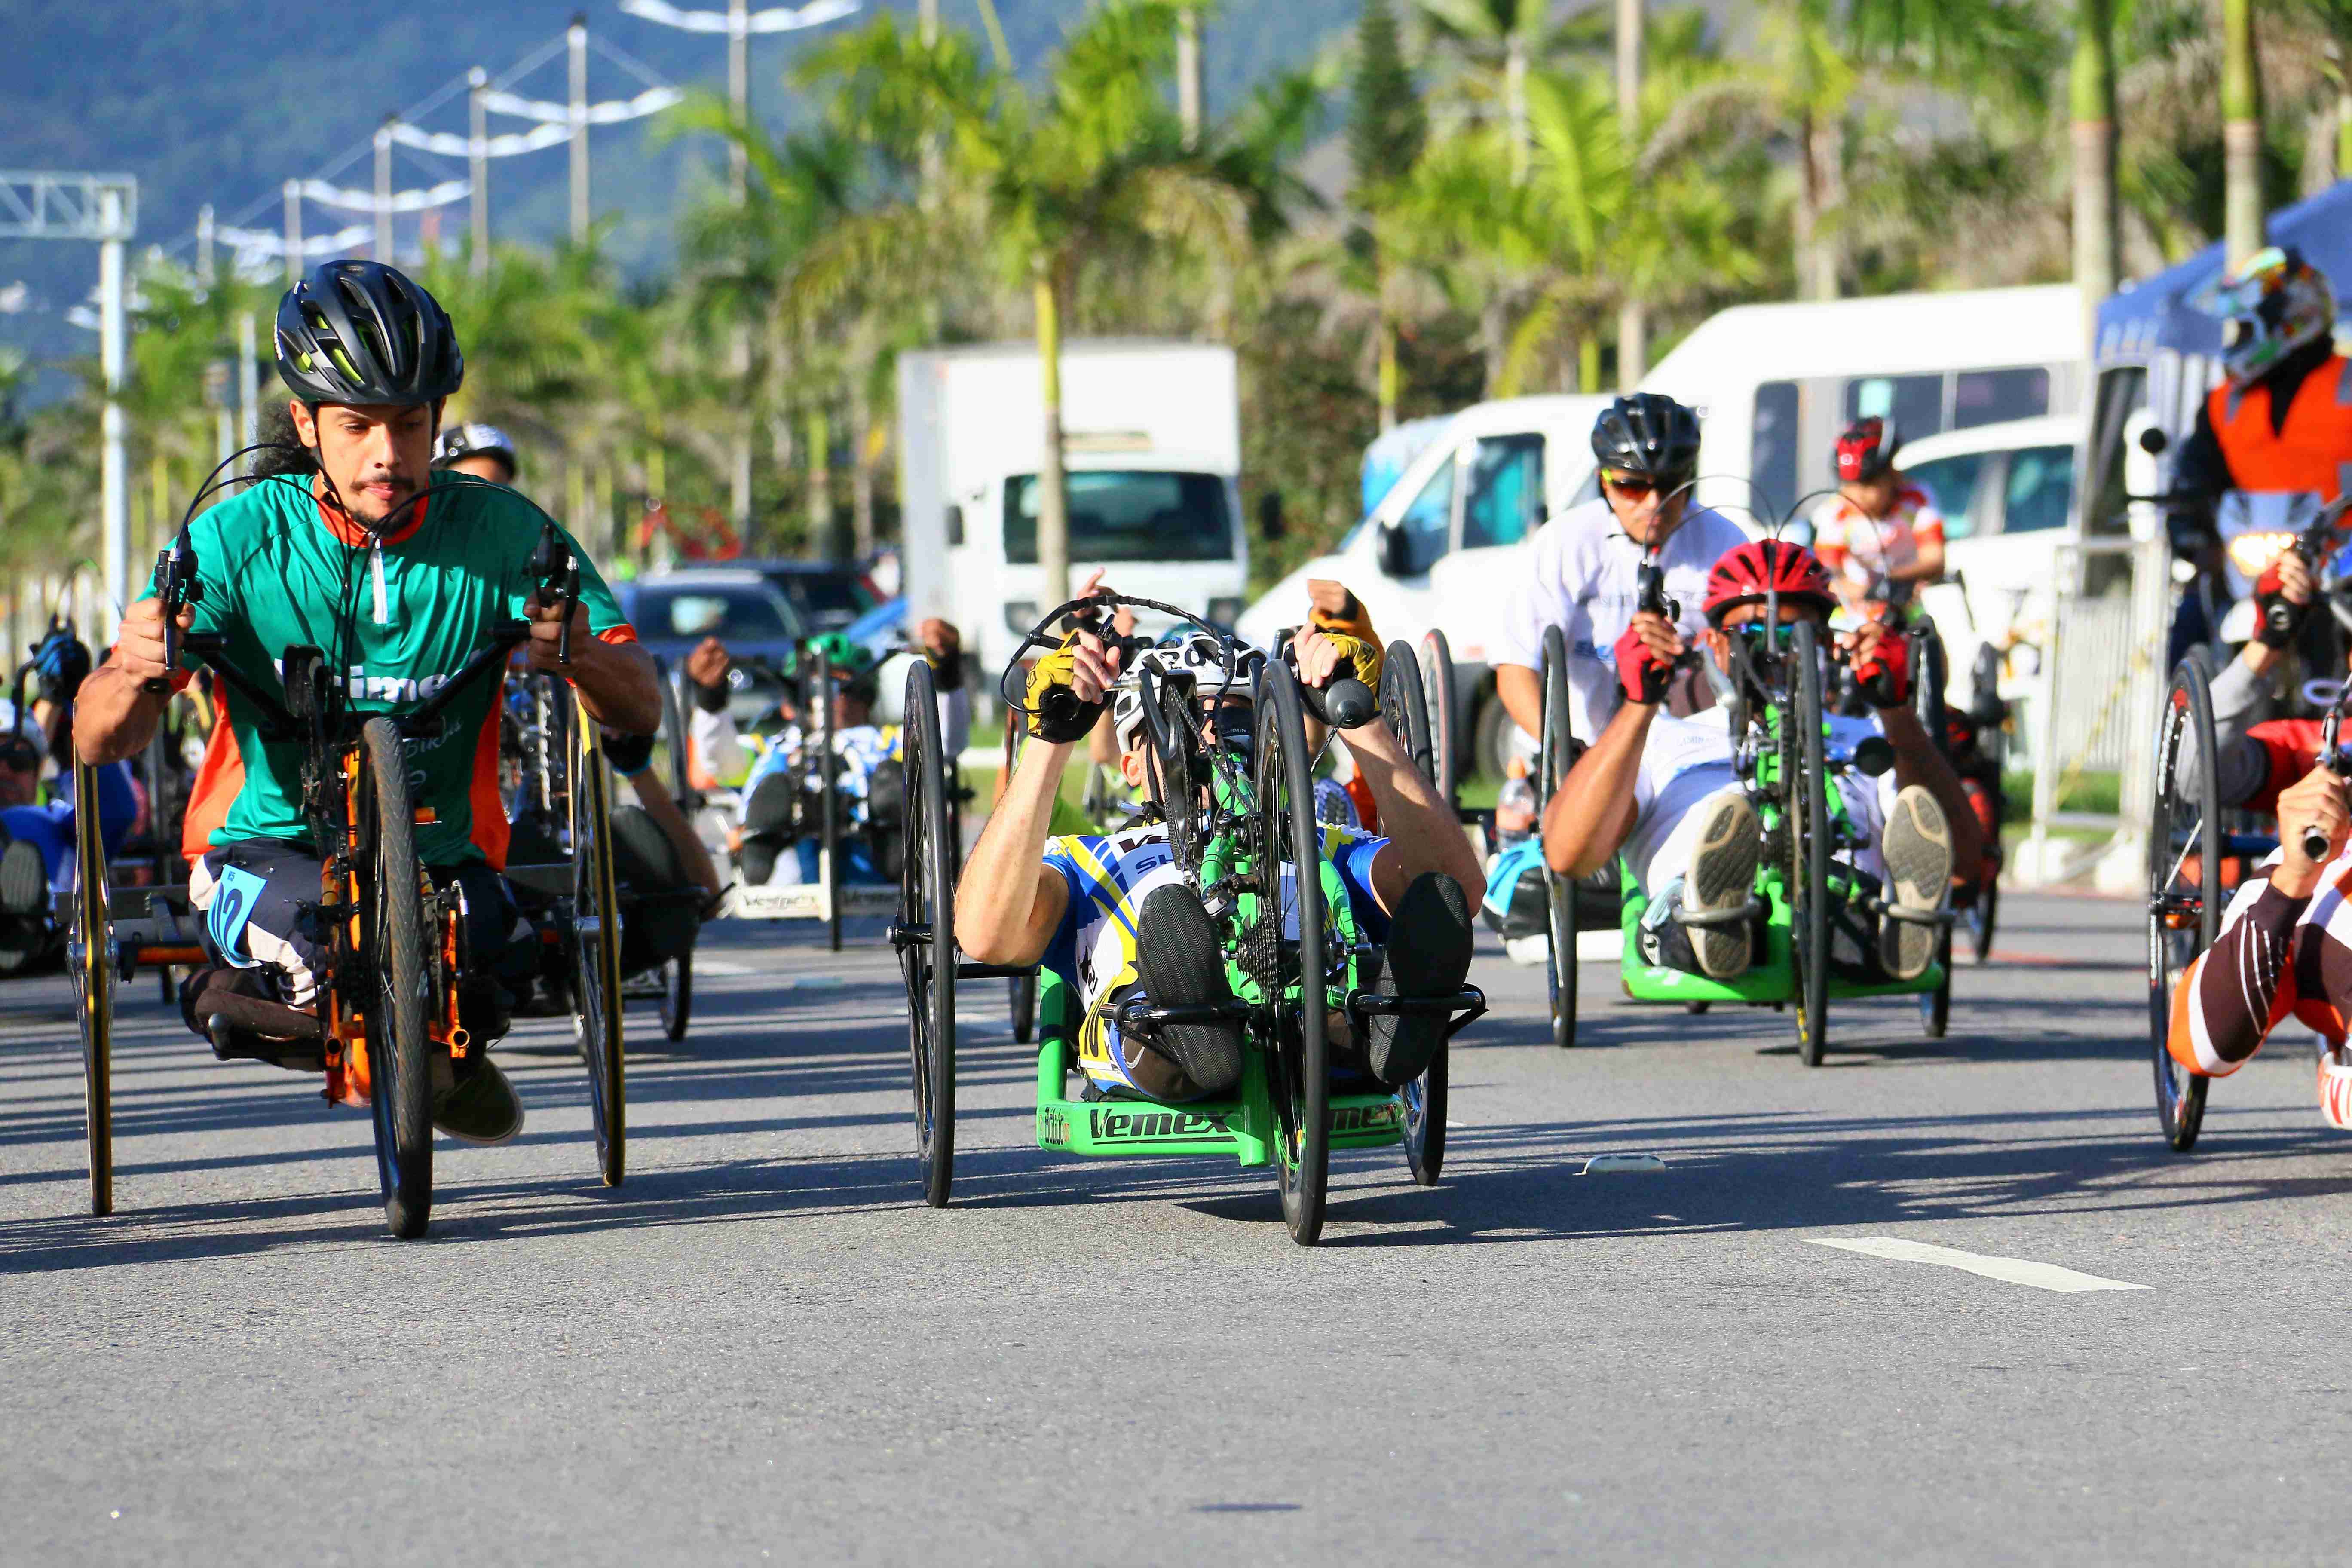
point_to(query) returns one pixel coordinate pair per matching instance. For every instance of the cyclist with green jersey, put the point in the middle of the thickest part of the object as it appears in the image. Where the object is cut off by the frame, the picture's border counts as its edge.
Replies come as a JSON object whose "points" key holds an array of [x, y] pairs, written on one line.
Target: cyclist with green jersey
{"points": [[399, 574]]}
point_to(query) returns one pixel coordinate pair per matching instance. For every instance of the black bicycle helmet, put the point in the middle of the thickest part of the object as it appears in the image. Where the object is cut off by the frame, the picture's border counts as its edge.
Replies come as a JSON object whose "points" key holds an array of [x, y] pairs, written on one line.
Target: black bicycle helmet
{"points": [[1648, 433], [360, 333]]}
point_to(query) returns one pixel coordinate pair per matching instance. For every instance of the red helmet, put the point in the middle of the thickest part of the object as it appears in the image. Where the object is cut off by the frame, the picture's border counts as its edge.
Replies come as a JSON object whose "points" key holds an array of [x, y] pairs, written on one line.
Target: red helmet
{"points": [[1867, 449], [1747, 572]]}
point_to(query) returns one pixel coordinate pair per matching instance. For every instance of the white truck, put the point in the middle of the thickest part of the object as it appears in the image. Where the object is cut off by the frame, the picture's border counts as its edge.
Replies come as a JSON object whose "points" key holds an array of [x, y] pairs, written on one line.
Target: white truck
{"points": [[1152, 444]]}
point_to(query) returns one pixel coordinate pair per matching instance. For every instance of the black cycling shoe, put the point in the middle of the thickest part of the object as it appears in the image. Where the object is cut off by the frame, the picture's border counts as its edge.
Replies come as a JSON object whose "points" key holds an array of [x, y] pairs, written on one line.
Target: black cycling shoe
{"points": [[23, 879], [1428, 955], [1181, 964]]}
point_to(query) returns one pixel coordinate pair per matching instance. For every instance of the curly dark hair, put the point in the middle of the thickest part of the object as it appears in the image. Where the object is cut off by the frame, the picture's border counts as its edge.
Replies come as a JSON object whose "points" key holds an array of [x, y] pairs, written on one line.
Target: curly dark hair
{"points": [[285, 453]]}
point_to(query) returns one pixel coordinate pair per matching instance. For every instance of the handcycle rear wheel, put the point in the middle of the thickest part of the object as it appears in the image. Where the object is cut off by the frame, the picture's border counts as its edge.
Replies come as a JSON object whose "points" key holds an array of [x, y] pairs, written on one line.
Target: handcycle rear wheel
{"points": [[1804, 772], [926, 941], [1405, 709], [596, 944], [2184, 892], [1021, 990], [1300, 1067], [393, 955], [677, 996], [1436, 662], [1560, 892], [90, 957]]}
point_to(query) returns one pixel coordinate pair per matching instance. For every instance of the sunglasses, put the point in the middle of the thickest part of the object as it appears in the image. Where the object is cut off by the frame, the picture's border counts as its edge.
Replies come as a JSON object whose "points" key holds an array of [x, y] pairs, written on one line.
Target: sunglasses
{"points": [[1634, 487]]}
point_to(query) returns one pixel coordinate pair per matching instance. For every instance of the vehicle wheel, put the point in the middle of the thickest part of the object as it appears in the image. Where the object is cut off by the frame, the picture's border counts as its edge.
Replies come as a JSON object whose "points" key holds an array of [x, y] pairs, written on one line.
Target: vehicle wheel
{"points": [[1024, 1008], [829, 813], [1980, 920], [1300, 1067], [1491, 742], [392, 939], [1809, 843], [678, 998], [1936, 1006], [2184, 887], [1174, 755], [1560, 892], [596, 944], [1931, 674], [1405, 709], [1439, 696], [1696, 1009], [89, 957], [925, 938]]}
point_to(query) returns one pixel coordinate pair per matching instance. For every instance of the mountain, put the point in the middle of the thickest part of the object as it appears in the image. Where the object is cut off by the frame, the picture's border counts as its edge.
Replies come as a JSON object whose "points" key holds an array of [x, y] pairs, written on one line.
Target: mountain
{"points": [[210, 100]]}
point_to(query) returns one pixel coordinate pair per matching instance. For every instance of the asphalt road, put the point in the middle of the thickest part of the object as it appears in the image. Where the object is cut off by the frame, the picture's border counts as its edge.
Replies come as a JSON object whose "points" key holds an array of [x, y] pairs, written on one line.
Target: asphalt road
{"points": [[764, 1348]]}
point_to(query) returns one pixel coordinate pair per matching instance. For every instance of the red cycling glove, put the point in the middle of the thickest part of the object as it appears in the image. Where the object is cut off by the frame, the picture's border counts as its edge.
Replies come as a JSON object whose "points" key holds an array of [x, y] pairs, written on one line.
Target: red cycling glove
{"points": [[1884, 676], [1641, 675], [2277, 618]]}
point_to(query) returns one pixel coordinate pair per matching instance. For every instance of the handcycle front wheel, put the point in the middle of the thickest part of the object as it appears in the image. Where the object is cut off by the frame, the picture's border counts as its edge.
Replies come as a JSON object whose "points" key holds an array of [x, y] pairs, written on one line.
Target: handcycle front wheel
{"points": [[677, 996], [596, 945], [1404, 708], [1436, 662], [2184, 890], [89, 955], [925, 938], [1807, 800], [393, 956], [1552, 765], [1300, 1066]]}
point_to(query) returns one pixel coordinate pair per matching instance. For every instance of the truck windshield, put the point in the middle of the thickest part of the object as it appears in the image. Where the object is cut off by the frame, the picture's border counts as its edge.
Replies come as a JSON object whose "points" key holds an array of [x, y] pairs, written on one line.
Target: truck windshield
{"points": [[1127, 516]]}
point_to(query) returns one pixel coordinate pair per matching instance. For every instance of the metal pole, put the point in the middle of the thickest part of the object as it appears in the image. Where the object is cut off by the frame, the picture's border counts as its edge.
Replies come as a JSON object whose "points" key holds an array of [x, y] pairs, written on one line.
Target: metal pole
{"points": [[1188, 74], [738, 91], [293, 232], [117, 491], [1633, 316], [479, 208], [577, 36], [381, 249], [204, 245], [248, 380]]}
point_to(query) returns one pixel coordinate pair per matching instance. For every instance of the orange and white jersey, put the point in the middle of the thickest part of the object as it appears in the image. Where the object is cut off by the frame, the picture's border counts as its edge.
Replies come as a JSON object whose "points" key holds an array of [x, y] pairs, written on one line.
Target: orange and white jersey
{"points": [[1863, 549]]}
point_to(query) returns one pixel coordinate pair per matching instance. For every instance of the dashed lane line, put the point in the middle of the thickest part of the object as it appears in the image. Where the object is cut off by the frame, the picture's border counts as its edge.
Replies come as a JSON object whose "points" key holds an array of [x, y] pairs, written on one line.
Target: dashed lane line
{"points": [[2009, 1270]]}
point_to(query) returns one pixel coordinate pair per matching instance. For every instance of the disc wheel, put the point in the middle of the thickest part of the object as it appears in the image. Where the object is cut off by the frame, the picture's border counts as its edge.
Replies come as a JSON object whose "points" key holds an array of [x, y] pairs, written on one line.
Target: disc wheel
{"points": [[393, 958], [1437, 694], [90, 959], [596, 944], [1805, 784], [926, 941], [1404, 708], [1552, 764], [678, 998], [2184, 886], [1300, 1065]]}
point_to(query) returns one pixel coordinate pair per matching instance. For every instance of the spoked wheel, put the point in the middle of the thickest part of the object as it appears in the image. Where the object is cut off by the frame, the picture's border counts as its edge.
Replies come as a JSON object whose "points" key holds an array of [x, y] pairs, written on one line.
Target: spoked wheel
{"points": [[677, 996], [392, 940], [596, 945], [1806, 794], [2184, 886], [926, 940], [88, 956], [1405, 709], [829, 797], [1299, 1071], [1173, 758], [1981, 916], [1560, 892], [1437, 696]]}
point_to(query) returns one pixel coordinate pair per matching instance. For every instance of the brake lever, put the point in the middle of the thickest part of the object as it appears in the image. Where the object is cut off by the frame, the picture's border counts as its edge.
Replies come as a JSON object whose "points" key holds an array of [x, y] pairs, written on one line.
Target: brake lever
{"points": [[2315, 842], [554, 563], [175, 588]]}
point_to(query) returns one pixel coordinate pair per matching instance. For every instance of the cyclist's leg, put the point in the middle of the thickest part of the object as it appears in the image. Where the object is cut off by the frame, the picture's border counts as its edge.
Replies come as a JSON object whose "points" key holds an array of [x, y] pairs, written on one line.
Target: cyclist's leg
{"points": [[1706, 865], [258, 898], [1426, 952], [1916, 848]]}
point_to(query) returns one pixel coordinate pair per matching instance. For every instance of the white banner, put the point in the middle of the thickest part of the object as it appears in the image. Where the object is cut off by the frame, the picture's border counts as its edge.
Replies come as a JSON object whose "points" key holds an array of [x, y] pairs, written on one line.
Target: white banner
{"points": [[450, 146], [653, 100], [416, 201], [782, 19]]}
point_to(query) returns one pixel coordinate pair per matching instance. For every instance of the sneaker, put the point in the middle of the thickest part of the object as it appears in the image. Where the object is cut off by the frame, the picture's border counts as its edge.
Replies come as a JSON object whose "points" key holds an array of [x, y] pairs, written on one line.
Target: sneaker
{"points": [[2335, 1088], [1722, 876], [1180, 962], [23, 879], [480, 1108], [1918, 849], [1429, 951]]}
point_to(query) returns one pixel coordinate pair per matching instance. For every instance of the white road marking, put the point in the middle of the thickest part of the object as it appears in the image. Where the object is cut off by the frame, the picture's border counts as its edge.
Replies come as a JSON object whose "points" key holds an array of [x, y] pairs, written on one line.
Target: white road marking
{"points": [[1602, 1164], [2011, 1270]]}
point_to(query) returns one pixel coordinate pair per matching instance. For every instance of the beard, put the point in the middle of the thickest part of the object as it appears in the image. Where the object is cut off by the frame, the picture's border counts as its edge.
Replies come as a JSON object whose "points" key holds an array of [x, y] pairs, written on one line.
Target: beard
{"points": [[385, 516]]}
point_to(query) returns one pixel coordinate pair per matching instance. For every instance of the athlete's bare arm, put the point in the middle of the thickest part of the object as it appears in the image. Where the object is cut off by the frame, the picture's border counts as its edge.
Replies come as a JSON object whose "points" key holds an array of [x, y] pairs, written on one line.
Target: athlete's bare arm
{"points": [[617, 681], [1521, 689], [114, 716]]}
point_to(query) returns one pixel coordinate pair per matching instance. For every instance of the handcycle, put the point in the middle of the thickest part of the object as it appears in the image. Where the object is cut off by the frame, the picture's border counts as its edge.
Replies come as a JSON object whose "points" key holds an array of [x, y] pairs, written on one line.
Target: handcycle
{"points": [[1292, 946], [394, 944]]}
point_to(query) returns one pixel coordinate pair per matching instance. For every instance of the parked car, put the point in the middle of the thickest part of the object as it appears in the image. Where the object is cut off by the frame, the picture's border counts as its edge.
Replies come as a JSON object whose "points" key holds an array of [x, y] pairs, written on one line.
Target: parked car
{"points": [[674, 611], [827, 594]]}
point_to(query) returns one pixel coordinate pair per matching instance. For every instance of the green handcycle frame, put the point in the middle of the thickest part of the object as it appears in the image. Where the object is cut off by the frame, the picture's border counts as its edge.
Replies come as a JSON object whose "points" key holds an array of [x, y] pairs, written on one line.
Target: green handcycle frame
{"points": [[1259, 818]]}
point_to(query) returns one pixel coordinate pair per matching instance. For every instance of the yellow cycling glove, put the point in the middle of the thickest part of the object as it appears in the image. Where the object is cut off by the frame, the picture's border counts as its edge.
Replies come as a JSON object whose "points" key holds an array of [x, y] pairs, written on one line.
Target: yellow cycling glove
{"points": [[1363, 650], [1352, 619], [1055, 714]]}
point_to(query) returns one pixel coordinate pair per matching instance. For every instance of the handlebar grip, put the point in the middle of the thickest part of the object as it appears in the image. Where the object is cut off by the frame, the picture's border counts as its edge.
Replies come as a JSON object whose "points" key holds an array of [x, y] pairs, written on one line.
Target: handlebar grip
{"points": [[2315, 844], [1345, 704], [1060, 708]]}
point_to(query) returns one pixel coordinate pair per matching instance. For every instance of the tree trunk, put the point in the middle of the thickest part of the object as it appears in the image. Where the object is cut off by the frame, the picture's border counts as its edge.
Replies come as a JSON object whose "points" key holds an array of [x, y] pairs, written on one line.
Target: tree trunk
{"points": [[1494, 338], [1053, 501], [820, 481], [2241, 132], [1514, 104], [2093, 90], [1588, 362], [1188, 74], [861, 469], [1805, 221], [1391, 375], [1633, 316], [1825, 172]]}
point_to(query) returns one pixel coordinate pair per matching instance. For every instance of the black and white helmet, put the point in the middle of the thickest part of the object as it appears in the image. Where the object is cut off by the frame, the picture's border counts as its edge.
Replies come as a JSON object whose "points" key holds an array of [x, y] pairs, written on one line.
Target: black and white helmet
{"points": [[1196, 654]]}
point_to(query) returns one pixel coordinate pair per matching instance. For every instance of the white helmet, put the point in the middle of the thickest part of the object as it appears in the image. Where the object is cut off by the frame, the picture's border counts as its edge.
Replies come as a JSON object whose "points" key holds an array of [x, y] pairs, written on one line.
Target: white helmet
{"points": [[1196, 654]]}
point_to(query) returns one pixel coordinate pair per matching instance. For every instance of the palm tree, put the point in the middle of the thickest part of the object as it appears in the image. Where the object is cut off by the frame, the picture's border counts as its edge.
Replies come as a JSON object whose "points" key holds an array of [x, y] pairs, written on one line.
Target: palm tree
{"points": [[1387, 129], [1498, 42], [2092, 92], [2242, 131]]}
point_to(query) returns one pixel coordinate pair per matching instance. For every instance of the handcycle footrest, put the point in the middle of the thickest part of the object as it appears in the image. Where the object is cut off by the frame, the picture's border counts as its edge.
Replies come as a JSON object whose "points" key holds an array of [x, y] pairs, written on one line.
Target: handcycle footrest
{"points": [[1145, 1012], [1884, 911], [1754, 909], [966, 969], [1470, 1002]]}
